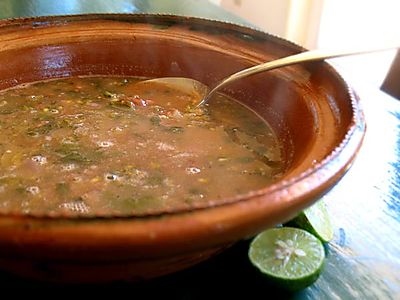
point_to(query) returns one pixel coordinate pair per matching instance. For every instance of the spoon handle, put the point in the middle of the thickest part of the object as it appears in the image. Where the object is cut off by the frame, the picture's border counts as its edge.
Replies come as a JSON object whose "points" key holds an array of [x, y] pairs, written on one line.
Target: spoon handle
{"points": [[312, 55]]}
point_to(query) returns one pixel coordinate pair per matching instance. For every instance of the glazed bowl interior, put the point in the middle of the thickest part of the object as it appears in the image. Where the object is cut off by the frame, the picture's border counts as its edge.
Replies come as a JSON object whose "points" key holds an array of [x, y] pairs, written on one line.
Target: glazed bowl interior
{"points": [[302, 103], [310, 108]]}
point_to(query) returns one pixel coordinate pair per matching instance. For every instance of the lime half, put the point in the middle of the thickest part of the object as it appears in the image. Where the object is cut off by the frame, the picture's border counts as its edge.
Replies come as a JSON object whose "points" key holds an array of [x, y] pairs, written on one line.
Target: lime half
{"points": [[315, 220], [290, 257]]}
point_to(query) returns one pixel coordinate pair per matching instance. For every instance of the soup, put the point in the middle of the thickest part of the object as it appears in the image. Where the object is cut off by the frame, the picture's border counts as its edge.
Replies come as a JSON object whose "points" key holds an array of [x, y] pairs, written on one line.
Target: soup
{"points": [[119, 146]]}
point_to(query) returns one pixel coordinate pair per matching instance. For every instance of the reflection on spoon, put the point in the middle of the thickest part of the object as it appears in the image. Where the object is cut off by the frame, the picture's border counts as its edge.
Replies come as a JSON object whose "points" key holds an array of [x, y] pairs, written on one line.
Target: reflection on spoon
{"points": [[191, 86]]}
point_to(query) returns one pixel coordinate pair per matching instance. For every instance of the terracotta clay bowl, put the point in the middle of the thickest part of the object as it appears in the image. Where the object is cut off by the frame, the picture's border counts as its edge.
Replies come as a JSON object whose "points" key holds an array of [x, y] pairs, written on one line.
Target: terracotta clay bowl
{"points": [[313, 112]]}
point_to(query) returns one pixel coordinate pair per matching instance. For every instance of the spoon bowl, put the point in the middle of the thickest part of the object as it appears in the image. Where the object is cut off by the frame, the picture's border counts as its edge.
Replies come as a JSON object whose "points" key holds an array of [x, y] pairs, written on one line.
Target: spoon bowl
{"points": [[185, 85]]}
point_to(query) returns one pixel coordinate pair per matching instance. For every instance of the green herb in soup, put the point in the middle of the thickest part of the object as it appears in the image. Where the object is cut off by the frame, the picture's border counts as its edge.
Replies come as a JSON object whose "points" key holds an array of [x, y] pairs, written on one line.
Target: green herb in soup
{"points": [[98, 145]]}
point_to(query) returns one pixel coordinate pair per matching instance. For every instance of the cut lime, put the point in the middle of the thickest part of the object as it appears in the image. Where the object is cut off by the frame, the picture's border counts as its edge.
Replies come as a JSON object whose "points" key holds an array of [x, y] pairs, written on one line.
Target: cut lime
{"points": [[290, 257], [315, 220]]}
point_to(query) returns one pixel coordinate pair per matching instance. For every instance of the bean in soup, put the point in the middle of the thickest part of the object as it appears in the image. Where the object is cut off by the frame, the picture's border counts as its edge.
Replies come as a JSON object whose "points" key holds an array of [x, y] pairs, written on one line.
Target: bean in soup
{"points": [[112, 146]]}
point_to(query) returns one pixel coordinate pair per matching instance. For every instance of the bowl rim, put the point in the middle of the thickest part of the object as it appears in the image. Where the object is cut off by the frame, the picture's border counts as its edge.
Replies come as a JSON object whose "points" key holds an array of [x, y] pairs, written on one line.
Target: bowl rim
{"points": [[353, 138]]}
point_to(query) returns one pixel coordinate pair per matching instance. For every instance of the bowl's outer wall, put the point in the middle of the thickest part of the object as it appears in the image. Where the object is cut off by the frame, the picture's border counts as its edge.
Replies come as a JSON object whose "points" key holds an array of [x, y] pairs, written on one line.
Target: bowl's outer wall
{"points": [[310, 108]]}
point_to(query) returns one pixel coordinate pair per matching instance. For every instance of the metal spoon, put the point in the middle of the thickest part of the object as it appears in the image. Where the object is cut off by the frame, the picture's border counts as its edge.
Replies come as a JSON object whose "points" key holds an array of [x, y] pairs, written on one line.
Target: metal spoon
{"points": [[190, 85]]}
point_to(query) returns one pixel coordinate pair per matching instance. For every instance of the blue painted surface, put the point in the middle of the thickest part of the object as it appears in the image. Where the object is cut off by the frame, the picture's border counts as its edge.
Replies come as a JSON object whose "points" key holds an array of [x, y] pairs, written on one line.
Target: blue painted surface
{"points": [[197, 8], [363, 260]]}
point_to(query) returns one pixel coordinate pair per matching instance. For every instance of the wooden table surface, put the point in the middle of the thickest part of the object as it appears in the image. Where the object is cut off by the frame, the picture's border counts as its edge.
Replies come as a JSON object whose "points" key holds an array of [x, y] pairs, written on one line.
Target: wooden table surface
{"points": [[363, 260]]}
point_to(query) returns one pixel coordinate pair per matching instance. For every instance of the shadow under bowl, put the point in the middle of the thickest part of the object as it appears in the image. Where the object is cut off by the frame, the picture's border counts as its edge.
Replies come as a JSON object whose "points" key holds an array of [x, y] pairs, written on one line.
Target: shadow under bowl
{"points": [[313, 112]]}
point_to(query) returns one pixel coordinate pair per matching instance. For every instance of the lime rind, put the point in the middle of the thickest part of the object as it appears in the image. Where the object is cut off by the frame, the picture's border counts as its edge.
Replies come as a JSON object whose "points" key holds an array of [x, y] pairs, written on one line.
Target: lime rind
{"points": [[315, 220], [290, 257]]}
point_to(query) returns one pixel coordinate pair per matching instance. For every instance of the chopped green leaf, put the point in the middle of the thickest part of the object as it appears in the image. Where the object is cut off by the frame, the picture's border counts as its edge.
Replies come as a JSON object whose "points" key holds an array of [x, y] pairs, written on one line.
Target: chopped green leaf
{"points": [[43, 129], [109, 94], [74, 153], [155, 120], [62, 189], [246, 159], [175, 129]]}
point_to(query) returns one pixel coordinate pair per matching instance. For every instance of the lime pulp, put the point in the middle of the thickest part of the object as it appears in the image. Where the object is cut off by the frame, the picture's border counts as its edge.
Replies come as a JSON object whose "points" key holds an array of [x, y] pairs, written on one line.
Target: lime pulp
{"points": [[290, 257]]}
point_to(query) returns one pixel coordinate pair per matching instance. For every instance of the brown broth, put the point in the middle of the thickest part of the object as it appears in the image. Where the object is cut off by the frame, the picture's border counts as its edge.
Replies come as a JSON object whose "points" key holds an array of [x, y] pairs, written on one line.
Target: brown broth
{"points": [[92, 145]]}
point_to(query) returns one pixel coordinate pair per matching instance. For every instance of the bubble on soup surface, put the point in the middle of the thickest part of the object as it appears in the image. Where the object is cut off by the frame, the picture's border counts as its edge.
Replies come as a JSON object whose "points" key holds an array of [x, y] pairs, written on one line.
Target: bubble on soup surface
{"points": [[192, 170], [105, 144], [41, 160], [34, 190]]}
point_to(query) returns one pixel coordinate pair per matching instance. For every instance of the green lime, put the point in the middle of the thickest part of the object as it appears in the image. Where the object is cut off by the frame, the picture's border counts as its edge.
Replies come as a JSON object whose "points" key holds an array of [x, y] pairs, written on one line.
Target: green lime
{"points": [[315, 220], [290, 257]]}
